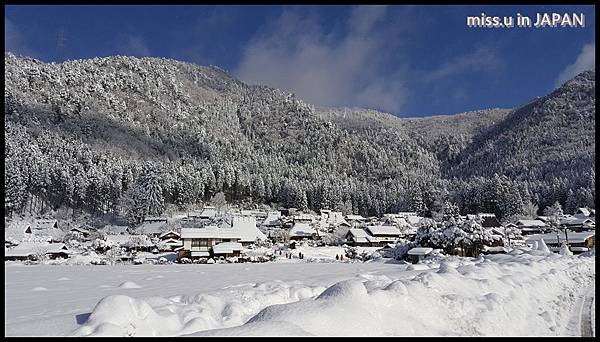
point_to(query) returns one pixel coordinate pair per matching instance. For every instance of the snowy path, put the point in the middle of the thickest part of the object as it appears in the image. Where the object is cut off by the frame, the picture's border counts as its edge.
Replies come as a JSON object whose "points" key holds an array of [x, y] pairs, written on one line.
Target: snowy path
{"points": [[587, 313]]}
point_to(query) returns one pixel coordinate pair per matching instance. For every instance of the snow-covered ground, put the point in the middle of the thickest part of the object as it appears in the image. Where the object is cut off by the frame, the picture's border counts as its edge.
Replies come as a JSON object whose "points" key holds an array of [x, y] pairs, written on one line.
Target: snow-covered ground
{"points": [[521, 294]]}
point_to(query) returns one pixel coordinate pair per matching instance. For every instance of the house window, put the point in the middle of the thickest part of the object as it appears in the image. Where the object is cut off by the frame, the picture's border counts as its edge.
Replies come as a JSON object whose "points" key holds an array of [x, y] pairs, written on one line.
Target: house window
{"points": [[199, 243]]}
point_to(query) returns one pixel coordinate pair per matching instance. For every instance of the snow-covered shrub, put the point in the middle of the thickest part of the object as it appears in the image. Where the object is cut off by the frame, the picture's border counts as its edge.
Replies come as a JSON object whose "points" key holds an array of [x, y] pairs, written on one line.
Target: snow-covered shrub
{"points": [[100, 245], [448, 235], [355, 253]]}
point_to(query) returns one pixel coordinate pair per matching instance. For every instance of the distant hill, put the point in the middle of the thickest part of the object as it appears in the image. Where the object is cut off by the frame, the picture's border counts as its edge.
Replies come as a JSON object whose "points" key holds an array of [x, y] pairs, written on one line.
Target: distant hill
{"points": [[552, 136]]}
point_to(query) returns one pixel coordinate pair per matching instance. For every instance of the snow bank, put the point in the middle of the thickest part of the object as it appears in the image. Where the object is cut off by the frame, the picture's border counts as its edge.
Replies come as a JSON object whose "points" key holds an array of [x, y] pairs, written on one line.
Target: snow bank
{"points": [[157, 316], [526, 293]]}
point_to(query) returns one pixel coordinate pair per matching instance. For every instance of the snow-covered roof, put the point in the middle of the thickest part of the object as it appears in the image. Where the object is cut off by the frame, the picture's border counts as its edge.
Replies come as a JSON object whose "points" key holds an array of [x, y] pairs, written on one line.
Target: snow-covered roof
{"points": [[173, 242], [45, 224], [383, 230], [25, 249], [255, 213], [497, 231], [155, 219], [420, 251], [246, 225], [169, 232], [354, 217], [210, 232], [301, 229], [413, 220], [583, 211], [79, 229], [358, 233], [208, 212], [575, 237], [227, 247], [272, 218], [17, 229], [577, 221], [200, 254], [531, 223], [54, 234]]}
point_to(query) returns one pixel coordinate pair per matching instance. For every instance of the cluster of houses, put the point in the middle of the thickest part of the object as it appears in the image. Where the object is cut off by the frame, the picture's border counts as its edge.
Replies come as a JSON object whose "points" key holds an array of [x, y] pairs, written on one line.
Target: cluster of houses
{"points": [[210, 234], [577, 231], [45, 238]]}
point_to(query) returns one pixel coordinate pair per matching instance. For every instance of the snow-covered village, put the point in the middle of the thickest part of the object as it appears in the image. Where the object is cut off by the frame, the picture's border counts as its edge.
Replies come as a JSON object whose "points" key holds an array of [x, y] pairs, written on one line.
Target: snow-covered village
{"points": [[277, 179]]}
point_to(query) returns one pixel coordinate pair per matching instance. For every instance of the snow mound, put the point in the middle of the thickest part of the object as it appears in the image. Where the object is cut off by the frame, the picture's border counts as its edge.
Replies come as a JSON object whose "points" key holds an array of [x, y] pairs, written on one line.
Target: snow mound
{"points": [[125, 316], [129, 285], [397, 287], [526, 294], [349, 289], [417, 267], [445, 267], [186, 314]]}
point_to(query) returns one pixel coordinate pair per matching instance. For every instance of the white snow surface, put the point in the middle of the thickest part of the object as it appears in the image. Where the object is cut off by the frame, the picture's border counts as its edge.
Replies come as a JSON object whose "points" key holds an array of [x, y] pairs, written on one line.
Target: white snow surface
{"points": [[523, 293]]}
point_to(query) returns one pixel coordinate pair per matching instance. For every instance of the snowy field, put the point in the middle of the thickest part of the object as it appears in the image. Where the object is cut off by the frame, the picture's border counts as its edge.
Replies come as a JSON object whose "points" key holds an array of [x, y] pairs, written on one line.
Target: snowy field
{"points": [[525, 293]]}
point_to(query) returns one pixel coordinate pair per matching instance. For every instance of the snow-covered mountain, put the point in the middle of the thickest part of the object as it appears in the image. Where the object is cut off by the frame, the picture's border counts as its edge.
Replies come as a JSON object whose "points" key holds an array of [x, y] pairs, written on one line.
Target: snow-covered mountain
{"points": [[551, 136], [79, 132]]}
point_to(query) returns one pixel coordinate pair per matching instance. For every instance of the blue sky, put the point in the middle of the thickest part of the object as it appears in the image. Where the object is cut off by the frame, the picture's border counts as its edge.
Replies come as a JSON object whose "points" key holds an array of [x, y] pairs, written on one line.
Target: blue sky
{"points": [[405, 60]]}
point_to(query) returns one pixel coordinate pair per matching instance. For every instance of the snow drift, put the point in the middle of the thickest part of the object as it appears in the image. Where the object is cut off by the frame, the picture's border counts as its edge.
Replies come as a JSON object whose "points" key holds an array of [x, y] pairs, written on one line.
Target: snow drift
{"points": [[522, 293]]}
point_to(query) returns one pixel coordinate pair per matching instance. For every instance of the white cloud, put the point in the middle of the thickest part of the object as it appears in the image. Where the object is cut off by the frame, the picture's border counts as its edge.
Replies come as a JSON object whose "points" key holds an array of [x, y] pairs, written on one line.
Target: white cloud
{"points": [[483, 58], [326, 68], [14, 41], [132, 45], [586, 60]]}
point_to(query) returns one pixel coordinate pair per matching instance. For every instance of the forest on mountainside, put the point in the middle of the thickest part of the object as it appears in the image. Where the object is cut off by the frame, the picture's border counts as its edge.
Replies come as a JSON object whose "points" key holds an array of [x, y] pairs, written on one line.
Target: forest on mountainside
{"points": [[130, 135]]}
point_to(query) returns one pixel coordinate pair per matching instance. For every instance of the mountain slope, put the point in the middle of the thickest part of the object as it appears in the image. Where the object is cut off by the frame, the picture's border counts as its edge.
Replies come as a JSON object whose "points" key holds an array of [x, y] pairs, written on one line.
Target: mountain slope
{"points": [[443, 135], [82, 134], [553, 136], [248, 141]]}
